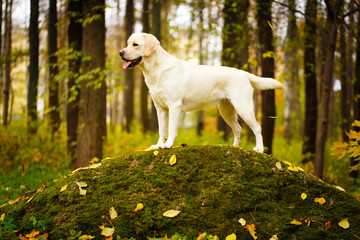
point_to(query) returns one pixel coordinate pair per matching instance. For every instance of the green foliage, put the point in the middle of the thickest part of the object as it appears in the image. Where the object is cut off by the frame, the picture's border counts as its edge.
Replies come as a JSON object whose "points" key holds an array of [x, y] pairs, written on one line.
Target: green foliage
{"points": [[7, 228], [37, 224], [74, 235]]}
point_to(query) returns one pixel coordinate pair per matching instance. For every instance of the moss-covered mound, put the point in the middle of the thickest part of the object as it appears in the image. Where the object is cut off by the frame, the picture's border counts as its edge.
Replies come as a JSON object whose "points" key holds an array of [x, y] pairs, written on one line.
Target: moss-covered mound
{"points": [[212, 187]]}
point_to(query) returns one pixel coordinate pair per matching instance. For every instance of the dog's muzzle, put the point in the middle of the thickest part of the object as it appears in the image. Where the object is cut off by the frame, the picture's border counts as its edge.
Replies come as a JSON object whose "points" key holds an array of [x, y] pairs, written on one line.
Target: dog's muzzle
{"points": [[131, 63]]}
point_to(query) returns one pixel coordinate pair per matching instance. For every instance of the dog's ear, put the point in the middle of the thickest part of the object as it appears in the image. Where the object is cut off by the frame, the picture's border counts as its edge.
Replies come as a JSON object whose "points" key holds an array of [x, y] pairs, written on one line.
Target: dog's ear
{"points": [[151, 43]]}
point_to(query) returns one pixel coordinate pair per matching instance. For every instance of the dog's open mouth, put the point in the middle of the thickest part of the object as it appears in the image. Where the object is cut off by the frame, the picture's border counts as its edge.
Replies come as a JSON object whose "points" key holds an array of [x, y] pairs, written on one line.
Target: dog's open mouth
{"points": [[132, 63]]}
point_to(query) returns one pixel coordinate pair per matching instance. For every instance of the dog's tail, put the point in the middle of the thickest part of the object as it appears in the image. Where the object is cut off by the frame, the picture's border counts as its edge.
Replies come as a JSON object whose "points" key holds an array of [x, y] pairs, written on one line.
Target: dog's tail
{"points": [[263, 83]]}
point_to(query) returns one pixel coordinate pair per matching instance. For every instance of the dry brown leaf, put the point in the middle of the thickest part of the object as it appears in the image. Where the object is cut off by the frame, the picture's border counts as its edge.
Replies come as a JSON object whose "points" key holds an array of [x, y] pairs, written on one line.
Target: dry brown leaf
{"points": [[327, 225], [201, 236]]}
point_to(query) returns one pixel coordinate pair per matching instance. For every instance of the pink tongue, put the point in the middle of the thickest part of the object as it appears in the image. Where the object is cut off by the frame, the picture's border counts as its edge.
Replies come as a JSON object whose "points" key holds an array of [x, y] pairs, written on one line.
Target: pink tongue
{"points": [[126, 64]]}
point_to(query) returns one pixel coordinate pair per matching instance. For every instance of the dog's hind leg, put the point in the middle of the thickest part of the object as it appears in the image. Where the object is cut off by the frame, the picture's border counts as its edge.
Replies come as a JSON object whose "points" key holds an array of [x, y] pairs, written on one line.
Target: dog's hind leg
{"points": [[228, 113], [244, 106]]}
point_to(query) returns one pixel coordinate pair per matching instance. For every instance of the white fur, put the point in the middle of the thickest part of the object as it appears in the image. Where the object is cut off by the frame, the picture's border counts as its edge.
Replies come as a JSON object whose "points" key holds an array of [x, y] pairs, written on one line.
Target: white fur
{"points": [[178, 86]]}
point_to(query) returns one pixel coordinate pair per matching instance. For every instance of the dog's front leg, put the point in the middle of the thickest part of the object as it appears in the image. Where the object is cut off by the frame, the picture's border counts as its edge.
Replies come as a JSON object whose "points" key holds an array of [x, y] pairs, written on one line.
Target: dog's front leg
{"points": [[174, 114], [162, 115]]}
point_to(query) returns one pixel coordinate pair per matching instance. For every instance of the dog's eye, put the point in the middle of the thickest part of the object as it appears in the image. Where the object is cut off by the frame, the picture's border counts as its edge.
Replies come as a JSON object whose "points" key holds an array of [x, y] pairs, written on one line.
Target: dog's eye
{"points": [[135, 44]]}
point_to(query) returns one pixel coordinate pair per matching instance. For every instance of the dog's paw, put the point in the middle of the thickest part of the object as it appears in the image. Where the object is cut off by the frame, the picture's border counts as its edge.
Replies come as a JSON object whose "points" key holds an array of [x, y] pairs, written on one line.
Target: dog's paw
{"points": [[154, 147], [165, 145], [260, 150]]}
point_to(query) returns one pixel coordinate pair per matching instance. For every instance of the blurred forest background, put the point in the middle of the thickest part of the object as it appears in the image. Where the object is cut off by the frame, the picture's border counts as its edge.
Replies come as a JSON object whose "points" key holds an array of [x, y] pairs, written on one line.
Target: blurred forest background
{"points": [[66, 101]]}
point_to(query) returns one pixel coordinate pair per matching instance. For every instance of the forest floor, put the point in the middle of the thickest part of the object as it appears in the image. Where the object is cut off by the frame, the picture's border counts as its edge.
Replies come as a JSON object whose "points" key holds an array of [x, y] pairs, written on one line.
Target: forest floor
{"points": [[221, 190]]}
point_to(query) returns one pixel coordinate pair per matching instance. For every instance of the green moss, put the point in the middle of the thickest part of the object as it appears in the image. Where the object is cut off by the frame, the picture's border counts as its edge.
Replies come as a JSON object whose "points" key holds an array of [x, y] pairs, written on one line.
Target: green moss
{"points": [[212, 186]]}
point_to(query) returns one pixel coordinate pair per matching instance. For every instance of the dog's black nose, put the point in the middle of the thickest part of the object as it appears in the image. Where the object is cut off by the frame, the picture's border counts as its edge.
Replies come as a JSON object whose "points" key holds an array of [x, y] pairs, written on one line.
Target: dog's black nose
{"points": [[121, 53]]}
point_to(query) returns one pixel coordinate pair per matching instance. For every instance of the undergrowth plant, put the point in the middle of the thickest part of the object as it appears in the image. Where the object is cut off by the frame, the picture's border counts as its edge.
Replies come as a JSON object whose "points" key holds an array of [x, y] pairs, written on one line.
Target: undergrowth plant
{"points": [[27, 161], [7, 228], [349, 149]]}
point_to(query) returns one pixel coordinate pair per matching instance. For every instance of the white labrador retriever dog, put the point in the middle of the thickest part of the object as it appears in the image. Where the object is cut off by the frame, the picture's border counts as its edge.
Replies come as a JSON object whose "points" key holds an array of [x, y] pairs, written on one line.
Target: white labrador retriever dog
{"points": [[178, 86]]}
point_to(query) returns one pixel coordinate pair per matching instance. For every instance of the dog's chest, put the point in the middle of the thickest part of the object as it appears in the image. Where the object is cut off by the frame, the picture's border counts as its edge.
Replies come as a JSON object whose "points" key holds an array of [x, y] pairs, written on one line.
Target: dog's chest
{"points": [[159, 97], [164, 95]]}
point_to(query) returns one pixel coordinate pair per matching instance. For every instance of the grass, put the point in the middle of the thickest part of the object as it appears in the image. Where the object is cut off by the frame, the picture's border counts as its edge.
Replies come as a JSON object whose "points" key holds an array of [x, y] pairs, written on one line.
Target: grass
{"points": [[29, 161]]}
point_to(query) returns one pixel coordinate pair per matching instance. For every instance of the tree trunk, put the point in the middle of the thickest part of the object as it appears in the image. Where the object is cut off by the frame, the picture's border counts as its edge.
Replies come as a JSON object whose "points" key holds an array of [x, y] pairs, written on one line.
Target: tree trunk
{"points": [[333, 8], [74, 32], [129, 73], [291, 93], [144, 94], [33, 67], [345, 84], [356, 93], [92, 111], [201, 113], [53, 68], [311, 103], [267, 66], [115, 104], [156, 31], [235, 42], [1, 52], [7, 49]]}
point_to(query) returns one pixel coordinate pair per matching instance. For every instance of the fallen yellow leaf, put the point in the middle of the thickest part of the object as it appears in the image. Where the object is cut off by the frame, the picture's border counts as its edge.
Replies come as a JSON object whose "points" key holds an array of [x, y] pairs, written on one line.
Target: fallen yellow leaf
{"points": [[30, 198], [171, 213], [76, 170], [139, 207], [278, 165], [340, 188], [107, 232], [11, 202], [113, 213], [321, 200], [149, 149], [293, 168], [231, 237], [33, 234], [201, 236], [95, 165], [303, 196], [2, 217], [274, 237], [3, 205], [156, 153], [82, 192], [344, 223], [86, 237], [251, 228], [288, 163], [295, 222], [242, 221], [63, 188], [172, 160], [81, 184]]}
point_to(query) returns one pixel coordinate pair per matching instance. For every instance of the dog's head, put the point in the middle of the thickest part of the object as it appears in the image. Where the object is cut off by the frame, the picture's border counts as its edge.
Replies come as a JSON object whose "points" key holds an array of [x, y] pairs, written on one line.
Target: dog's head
{"points": [[140, 45]]}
